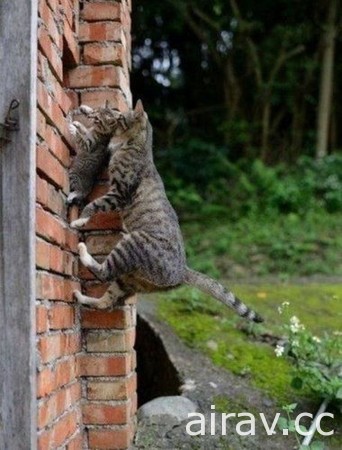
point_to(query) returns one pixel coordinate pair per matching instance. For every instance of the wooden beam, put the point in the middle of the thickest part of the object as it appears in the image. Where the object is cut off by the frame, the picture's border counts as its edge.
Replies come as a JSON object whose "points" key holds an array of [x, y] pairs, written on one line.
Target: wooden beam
{"points": [[18, 72]]}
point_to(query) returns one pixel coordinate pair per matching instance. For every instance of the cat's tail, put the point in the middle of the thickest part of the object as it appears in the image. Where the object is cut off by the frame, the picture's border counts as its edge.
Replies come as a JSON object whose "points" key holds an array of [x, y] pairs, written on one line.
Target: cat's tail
{"points": [[216, 290]]}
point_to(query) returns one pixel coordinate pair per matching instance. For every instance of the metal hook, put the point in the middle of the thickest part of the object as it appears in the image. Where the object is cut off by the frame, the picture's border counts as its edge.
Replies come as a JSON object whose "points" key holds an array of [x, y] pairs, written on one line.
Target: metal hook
{"points": [[11, 121]]}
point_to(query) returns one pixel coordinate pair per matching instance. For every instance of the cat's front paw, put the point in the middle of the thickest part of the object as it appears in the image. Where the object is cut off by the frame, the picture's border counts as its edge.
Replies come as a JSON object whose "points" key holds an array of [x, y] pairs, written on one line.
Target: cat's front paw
{"points": [[74, 198], [79, 223], [85, 257], [86, 110]]}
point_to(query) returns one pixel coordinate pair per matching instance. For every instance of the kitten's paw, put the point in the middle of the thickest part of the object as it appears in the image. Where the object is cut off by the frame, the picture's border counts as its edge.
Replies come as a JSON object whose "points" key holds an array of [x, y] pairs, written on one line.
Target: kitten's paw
{"points": [[85, 257], [79, 223], [72, 129], [74, 198], [86, 110]]}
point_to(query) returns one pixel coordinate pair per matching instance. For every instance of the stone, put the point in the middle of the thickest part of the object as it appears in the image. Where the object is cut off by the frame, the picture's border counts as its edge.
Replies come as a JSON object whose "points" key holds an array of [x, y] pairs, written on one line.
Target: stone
{"points": [[175, 406]]}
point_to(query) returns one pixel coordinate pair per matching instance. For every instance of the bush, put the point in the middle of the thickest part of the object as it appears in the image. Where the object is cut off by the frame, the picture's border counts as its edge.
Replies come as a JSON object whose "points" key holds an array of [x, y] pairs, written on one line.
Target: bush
{"points": [[200, 179]]}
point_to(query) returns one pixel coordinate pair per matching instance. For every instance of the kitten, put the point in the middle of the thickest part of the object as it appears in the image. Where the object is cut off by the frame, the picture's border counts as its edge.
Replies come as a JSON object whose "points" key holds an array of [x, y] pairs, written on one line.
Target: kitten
{"points": [[91, 157], [150, 256]]}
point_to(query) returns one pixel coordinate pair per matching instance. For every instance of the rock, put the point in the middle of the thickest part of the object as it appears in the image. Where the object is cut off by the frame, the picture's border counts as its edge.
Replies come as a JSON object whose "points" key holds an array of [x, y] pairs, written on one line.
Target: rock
{"points": [[176, 406]]}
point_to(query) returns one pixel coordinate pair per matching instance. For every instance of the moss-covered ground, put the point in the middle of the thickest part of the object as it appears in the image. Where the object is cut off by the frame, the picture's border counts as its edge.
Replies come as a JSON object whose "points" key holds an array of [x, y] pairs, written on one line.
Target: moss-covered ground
{"points": [[205, 325]]}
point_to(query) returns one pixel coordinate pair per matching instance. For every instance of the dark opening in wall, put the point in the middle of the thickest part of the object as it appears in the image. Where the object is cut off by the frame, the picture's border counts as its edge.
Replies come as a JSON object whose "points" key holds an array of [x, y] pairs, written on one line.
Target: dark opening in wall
{"points": [[157, 376]]}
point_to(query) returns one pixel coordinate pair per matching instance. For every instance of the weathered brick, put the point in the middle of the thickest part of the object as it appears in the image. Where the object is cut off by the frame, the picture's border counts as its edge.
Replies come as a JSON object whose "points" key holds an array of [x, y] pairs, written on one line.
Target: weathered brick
{"points": [[102, 245], [59, 432], [61, 316], [116, 389], [100, 31], [111, 439], [51, 168], [55, 405], [103, 53], [118, 341], [101, 11], [49, 50], [49, 379], [119, 318], [94, 76], [91, 365], [41, 319], [55, 346], [97, 98], [54, 287], [103, 414]]}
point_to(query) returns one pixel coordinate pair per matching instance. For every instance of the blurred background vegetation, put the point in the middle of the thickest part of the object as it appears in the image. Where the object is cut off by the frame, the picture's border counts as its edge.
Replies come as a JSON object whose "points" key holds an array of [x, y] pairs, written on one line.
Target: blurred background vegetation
{"points": [[245, 103]]}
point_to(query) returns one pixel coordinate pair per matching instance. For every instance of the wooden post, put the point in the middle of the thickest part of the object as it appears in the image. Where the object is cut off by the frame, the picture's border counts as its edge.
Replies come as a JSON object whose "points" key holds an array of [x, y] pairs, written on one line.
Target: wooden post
{"points": [[18, 43]]}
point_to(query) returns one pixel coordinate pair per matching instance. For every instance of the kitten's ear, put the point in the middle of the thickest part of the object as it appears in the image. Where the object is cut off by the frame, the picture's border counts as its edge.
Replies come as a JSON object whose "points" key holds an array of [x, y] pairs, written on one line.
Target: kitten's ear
{"points": [[139, 109]]}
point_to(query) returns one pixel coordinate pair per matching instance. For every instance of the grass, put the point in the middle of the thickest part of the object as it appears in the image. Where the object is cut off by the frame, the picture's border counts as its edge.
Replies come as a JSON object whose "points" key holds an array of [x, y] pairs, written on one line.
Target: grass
{"points": [[283, 245], [206, 326]]}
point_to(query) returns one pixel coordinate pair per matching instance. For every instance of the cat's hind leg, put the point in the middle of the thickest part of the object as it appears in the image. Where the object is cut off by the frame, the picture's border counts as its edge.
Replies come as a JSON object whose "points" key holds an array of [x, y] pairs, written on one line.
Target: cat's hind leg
{"points": [[110, 297], [125, 258]]}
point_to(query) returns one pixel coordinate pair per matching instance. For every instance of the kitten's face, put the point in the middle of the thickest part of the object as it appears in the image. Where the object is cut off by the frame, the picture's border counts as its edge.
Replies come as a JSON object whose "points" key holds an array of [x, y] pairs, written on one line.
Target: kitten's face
{"points": [[108, 121]]}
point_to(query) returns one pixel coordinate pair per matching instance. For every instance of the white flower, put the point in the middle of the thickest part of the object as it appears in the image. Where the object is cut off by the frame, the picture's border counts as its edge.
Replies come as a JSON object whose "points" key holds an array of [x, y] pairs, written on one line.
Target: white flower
{"points": [[295, 325], [282, 307], [295, 343], [316, 339], [279, 350]]}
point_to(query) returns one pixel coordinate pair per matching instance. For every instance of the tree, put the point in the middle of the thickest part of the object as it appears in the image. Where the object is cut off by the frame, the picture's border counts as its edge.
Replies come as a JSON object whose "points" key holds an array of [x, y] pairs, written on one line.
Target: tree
{"points": [[326, 82]]}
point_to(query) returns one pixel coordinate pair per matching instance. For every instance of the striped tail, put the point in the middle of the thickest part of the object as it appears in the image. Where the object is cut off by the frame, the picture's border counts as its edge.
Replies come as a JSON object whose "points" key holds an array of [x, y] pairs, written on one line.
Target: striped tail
{"points": [[216, 290]]}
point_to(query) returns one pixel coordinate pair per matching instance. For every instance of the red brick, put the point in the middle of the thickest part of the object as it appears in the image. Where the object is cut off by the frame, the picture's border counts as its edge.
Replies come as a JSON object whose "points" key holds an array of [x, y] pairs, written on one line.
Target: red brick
{"points": [[49, 50], [101, 11], [54, 406], [71, 50], [118, 318], [76, 443], [48, 18], [51, 109], [49, 197], [95, 289], [111, 439], [41, 319], [119, 389], [49, 379], [54, 287], [104, 221], [96, 366], [60, 431], [98, 98], [61, 316], [42, 254], [102, 53], [100, 31], [41, 124], [102, 414], [89, 76], [57, 345], [102, 245], [49, 226], [52, 168], [114, 341]]}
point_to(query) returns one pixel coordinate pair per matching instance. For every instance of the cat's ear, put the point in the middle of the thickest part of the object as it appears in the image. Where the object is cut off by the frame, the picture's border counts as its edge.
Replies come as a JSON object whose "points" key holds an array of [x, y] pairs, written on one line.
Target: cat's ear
{"points": [[139, 109]]}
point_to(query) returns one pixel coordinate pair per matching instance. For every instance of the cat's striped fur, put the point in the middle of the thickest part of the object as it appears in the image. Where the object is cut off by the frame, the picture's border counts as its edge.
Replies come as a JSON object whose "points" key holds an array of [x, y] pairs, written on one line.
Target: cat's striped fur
{"points": [[150, 255], [91, 157]]}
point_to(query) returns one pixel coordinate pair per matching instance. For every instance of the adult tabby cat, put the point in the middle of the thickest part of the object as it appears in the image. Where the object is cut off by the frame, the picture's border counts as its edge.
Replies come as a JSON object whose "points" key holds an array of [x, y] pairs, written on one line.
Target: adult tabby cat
{"points": [[150, 256], [91, 157]]}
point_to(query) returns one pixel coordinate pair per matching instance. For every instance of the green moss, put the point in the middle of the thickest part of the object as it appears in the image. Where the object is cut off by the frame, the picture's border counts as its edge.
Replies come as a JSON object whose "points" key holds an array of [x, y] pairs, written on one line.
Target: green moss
{"points": [[198, 320]]}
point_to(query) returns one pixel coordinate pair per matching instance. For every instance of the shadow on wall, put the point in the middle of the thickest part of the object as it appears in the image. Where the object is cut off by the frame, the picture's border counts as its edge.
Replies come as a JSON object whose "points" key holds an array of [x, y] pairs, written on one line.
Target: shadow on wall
{"points": [[157, 375]]}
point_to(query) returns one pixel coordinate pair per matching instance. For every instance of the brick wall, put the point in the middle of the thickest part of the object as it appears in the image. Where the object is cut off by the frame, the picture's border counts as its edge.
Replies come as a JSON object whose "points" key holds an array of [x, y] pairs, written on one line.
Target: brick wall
{"points": [[86, 382]]}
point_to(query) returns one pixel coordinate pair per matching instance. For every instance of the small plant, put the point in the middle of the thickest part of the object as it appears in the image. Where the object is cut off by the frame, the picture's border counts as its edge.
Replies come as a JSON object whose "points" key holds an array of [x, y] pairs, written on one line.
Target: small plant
{"points": [[317, 360], [287, 423], [317, 365]]}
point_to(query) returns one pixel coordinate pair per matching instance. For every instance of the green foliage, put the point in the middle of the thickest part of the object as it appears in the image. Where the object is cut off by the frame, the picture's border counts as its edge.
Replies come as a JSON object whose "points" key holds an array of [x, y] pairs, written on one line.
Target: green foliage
{"points": [[249, 187], [317, 360]]}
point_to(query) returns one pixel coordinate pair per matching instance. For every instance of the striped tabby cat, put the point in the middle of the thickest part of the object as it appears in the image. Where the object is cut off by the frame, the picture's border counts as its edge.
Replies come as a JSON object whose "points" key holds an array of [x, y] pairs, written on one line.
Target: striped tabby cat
{"points": [[150, 256], [91, 157]]}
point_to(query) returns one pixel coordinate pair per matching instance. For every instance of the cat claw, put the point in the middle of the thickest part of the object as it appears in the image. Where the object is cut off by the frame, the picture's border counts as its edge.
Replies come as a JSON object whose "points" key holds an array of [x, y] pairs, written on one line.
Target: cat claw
{"points": [[78, 296], [79, 223]]}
